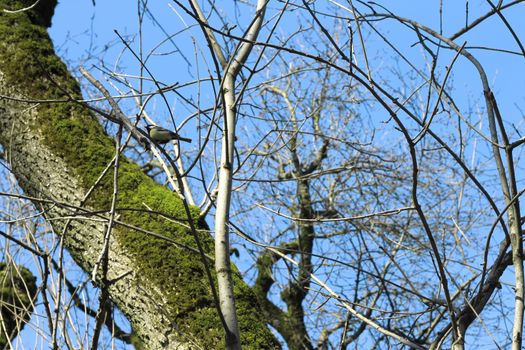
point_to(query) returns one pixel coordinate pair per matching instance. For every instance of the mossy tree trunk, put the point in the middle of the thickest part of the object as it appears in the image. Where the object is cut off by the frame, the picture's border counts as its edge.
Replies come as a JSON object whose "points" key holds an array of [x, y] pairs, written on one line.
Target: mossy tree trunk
{"points": [[17, 291], [58, 150]]}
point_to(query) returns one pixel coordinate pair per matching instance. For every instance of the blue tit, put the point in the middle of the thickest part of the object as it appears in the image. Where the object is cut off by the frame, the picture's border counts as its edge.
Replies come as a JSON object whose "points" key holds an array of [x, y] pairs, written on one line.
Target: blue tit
{"points": [[161, 136]]}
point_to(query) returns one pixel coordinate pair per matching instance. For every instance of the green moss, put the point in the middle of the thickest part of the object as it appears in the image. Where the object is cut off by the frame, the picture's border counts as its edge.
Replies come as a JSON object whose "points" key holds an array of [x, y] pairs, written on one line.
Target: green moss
{"points": [[76, 136], [40, 14], [17, 291]]}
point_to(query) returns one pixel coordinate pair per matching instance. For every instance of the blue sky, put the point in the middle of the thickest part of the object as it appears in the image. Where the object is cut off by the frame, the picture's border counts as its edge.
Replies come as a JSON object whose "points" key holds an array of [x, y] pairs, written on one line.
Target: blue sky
{"points": [[78, 27]]}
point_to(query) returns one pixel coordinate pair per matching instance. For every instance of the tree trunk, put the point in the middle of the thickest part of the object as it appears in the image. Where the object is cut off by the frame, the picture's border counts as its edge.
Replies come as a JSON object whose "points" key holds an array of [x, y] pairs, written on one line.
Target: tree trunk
{"points": [[57, 151]]}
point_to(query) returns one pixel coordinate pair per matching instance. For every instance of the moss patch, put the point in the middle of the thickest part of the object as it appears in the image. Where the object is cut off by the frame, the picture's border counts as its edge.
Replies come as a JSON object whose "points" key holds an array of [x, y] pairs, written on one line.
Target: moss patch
{"points": [[17, 291]]}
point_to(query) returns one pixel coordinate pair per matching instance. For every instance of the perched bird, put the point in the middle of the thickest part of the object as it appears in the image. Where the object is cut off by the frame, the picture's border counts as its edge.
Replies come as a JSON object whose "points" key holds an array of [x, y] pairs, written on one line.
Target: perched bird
{"points": [[161, 136]]}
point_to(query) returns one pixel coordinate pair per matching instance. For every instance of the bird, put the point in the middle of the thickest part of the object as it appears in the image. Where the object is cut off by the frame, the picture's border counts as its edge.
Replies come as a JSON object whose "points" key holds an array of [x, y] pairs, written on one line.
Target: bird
{"points": [[161, 136]]}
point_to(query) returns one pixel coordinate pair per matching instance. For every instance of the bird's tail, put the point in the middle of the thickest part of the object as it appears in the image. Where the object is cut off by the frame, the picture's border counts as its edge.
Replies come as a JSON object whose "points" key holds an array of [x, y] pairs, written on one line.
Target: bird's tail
{"points": [[184, 139], [178, 137]]}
